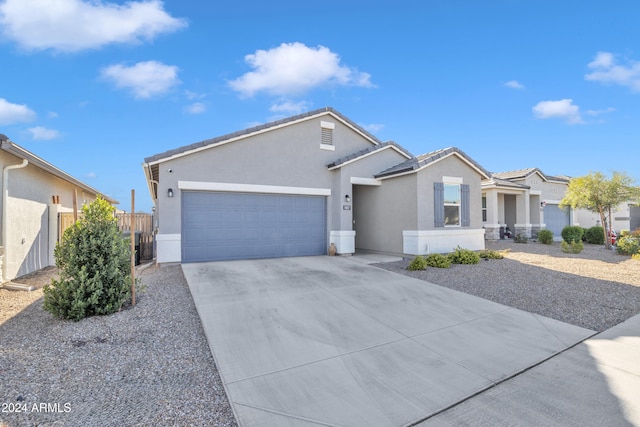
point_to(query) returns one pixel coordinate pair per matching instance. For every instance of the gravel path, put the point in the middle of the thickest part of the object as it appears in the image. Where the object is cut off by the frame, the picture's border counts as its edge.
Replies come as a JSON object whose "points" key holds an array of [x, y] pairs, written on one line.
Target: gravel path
{"points": [[595, 289], [144, 366]]}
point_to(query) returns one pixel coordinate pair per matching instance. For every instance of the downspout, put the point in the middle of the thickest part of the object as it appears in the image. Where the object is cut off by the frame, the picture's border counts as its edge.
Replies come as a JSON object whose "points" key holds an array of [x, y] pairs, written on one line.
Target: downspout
{"points": [[5, 196]]}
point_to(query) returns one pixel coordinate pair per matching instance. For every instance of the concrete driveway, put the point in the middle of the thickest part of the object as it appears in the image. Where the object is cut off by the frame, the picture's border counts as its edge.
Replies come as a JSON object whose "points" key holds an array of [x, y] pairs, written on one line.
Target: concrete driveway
{"points": [[335, 342]]}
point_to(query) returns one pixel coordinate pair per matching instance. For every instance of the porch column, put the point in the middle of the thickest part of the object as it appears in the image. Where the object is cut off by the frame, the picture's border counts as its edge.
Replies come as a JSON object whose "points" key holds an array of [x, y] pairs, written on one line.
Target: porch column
{"points": [[523, 214], [492, 225]]}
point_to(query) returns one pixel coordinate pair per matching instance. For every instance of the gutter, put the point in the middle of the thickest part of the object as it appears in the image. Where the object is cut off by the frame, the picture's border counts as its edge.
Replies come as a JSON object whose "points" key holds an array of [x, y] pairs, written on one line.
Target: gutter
{"points": [[5, 195]]}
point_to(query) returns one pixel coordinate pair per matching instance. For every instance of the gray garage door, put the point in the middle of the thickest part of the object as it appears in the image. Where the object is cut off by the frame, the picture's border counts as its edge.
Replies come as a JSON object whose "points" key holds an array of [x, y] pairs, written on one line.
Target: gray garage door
{"points": [[556, 219], [634, 217], [226, 226]]}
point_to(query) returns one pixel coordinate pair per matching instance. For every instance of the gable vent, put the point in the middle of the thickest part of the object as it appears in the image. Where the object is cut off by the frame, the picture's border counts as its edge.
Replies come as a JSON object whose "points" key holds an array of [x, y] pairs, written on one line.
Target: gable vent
{"points": [[326, 136]]}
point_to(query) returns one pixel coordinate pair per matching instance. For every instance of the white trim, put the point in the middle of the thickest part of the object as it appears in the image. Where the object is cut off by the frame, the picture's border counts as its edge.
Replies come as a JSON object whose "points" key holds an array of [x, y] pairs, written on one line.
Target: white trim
{"points": [[452, 180], [265, 130], [460, 156], [251, 188], [535, 192], [345, 241], [327, 125], [365, 181], [522, 225], [169, 248], [327, 147], [444, 240], [355, 159]]}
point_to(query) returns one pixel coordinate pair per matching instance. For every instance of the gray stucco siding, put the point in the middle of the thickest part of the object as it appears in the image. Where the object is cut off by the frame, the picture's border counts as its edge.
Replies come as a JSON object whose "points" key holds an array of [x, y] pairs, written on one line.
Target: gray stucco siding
{"points": [[452, 167], [382, 213]]}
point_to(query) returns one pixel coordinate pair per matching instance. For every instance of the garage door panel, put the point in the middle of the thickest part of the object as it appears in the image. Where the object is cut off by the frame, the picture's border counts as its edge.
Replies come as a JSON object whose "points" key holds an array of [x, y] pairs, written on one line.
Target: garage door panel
{"points": [[220, 226], [556, 219]]}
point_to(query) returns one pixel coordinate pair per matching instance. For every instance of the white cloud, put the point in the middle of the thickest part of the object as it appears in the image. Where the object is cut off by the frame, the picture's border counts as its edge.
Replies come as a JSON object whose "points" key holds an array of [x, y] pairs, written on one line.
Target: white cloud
{"points": [[294, 68], [74, 25], [15, 113], [145, 79], [195, 108], [373, 128], [599, 112], [52, 114], [40, 133], [91, 175], [290, 107], [563, 109], [514, 84], [193, 95], [606, 70]]}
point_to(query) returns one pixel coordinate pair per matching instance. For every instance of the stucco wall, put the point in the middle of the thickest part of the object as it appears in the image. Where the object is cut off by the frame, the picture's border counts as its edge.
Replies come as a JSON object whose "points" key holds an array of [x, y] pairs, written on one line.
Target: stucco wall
{"points": [[289, 156], [451, 166], [30, 217], [382, 213]]}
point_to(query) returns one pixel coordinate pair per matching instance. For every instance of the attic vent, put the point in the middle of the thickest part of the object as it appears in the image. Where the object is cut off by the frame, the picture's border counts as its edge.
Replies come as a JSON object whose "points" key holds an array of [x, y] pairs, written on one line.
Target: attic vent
{"points": [[326, 136]]}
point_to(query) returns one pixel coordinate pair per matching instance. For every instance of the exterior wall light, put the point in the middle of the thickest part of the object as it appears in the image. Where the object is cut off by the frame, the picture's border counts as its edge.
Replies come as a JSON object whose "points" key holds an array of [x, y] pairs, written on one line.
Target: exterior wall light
{"points": [[543, 204], [170, 192], [347, 198]]}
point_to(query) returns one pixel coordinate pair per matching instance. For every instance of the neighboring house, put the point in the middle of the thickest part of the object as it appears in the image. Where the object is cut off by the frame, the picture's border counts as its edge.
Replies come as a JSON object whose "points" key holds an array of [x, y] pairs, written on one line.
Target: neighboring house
{"points": [[526, 201], [33, 193], [294, 186], [625, 217]]}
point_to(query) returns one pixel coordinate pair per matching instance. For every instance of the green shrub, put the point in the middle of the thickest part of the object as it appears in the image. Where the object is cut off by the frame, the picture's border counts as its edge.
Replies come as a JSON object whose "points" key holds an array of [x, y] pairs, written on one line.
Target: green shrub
{"points": [[487, 254], [628, 245], [636, 257], [438, 261], [594, 235], [545, 236], [572, 233], [575, 247], [94, 262], [464, 256], [418, 263], [521, 238]]}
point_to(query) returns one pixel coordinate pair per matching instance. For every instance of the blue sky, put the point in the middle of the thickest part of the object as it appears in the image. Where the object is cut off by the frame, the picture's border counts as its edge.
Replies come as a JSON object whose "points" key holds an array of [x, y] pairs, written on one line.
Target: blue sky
{"points": [[94, 87]]}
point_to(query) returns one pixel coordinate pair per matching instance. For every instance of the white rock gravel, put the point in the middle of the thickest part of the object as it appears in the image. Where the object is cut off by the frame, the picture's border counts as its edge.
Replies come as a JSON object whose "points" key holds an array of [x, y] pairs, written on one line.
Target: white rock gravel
{"points": [[595, 289], [148, 365]]}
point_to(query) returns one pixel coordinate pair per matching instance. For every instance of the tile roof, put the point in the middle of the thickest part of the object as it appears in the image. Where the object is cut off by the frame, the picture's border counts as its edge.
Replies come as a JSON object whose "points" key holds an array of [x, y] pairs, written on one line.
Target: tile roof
{"points": [[369, 150], [249, 131], [425, 159], [525, 173]]}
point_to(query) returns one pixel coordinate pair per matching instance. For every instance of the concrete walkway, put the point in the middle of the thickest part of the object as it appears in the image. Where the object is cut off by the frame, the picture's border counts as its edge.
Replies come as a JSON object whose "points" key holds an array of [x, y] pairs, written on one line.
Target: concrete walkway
{"points": [[596, 383], [332, 341]]}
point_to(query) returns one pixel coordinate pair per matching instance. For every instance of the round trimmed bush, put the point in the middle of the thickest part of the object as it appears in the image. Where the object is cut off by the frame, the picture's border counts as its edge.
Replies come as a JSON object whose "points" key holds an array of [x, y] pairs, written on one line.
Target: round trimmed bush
{"points": [[418, 263], [438, 261], [545, 236], [628, 245], [572, 233], [594, 235]]}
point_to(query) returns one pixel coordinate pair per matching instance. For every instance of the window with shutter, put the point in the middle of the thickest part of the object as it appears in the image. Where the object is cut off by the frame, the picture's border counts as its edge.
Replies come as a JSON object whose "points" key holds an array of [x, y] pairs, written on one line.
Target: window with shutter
{"points": [[438, 204]]}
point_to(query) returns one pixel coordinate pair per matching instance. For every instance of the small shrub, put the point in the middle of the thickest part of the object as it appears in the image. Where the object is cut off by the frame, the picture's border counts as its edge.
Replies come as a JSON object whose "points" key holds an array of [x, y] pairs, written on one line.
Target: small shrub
{"points": [[628, 245], [438, 261], [636, 257], [94, 263], [464, 256], [487, 254], [575, 247], [594, 235], [572, 233], [418, 263], [545, 236], [521, 238]]}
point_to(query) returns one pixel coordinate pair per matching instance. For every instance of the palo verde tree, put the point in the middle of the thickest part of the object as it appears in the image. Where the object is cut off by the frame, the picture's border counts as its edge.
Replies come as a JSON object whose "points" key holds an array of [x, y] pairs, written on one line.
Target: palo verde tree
{"points": [[600, 194], [94, 262]]}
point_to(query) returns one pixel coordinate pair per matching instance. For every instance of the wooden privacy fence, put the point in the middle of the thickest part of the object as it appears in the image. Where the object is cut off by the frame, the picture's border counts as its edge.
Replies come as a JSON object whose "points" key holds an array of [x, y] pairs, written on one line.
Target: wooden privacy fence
{"points": [[143, 224]]}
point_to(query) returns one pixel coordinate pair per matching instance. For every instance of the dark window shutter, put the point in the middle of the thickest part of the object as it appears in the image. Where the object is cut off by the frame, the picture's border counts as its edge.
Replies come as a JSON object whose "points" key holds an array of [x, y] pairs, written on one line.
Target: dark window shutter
{"points": [[465, 214], [438, 204]]}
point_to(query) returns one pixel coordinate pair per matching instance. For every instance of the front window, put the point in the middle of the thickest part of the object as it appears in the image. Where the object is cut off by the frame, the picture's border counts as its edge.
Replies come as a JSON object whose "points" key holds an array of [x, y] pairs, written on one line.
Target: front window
{"points": [[451, 204], [484, 208]]}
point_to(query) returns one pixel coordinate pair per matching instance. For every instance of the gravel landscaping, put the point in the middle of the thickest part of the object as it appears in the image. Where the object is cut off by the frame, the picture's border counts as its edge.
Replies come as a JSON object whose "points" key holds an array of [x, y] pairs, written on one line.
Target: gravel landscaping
{"points": [[151, 365], [595, 289], [143, 366]]}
